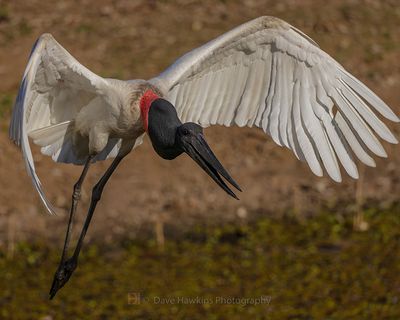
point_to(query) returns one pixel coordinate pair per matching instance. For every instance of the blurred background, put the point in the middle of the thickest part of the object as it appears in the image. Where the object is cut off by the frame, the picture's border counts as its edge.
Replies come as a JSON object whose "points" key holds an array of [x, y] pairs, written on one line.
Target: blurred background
{"points": [[310, 247]]}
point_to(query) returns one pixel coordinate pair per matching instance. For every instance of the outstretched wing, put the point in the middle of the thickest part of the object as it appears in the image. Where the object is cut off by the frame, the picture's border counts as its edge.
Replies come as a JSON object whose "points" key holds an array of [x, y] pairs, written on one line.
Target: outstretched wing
{"points": [[268, 74], [54, 88]]}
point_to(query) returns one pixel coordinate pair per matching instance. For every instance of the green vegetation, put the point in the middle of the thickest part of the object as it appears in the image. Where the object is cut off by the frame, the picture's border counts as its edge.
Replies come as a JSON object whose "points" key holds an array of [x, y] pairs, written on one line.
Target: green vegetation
{"points": [[317, 268]]}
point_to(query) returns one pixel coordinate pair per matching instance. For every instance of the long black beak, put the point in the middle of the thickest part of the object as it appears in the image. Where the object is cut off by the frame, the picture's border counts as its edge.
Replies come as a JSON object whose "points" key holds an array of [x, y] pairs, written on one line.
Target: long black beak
{"points": [[200, 152]]}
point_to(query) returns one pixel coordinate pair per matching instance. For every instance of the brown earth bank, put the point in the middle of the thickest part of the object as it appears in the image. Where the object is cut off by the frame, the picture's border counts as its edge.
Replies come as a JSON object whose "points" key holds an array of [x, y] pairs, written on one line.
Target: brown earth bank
{"points": [[137, 39]]}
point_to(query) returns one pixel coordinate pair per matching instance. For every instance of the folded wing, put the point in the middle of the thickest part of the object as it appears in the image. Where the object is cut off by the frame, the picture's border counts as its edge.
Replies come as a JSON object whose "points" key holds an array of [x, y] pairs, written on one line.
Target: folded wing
{"points": [[268, 74]]}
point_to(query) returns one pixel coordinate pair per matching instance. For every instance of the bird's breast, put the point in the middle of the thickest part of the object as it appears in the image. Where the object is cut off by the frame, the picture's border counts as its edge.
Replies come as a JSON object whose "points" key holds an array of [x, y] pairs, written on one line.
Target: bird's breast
{"points": [[125, 118]]}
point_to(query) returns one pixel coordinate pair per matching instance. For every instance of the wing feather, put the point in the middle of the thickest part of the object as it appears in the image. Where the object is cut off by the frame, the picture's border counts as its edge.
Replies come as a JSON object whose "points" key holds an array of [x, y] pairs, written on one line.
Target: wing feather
{"points": [[358, 147], [358, 124], [231, 81], [258, 116], [276, 101], [318, 135], [286, 87], [239, 91], [365, 111], [268, 74], [53, 88], [363, 91], [270, 95], [248, 104], [306, 144], [220, 96]]}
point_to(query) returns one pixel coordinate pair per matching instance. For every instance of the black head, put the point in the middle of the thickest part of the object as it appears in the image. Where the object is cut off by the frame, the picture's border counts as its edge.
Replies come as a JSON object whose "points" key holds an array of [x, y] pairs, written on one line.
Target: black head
{"points": [[170, 138], [187, 132]]}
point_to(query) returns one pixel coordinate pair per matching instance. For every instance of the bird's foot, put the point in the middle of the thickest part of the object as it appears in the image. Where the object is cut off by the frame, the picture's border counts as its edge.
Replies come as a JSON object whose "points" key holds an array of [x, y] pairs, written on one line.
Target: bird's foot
{"points": [[62, 275]]}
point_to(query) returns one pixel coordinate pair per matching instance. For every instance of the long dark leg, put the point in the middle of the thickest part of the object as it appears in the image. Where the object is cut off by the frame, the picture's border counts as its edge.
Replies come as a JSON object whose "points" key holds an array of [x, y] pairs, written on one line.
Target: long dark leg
{"points": [[76, 195], [62, 276], [96, 195]]}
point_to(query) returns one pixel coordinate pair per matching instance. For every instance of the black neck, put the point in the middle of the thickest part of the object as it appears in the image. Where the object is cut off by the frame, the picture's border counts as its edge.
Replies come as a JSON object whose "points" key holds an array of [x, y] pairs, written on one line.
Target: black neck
{"points": [[163, 123]]}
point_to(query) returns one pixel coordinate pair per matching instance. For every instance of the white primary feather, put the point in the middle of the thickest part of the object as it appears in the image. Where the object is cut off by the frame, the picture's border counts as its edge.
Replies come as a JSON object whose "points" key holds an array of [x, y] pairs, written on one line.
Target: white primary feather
{"points": [[286, 85]]}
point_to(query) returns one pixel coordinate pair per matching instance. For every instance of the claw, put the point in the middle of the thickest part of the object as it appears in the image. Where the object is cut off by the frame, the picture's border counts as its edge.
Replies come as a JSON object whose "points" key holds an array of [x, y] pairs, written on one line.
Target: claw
{"points": [[62, 275]]}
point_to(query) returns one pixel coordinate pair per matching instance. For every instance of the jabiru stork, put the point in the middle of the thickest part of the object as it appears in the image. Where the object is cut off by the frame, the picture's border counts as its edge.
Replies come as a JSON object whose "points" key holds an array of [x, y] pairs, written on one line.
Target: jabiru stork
{"points": [[264, 73]]}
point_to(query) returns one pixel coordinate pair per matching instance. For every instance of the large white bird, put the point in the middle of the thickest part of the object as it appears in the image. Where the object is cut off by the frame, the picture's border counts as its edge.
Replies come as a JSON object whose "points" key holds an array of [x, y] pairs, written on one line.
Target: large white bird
{"points": [[264, 73]]}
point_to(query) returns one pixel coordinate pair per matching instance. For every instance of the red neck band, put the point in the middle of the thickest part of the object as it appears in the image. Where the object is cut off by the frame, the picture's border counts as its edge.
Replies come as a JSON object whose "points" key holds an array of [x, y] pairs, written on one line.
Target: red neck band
{"points": [[145, 103]]}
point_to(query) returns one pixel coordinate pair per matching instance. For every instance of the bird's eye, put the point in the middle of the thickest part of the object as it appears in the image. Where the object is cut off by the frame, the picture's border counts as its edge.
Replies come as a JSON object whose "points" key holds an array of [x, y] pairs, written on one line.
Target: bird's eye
{"points": [[185, 132]]}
